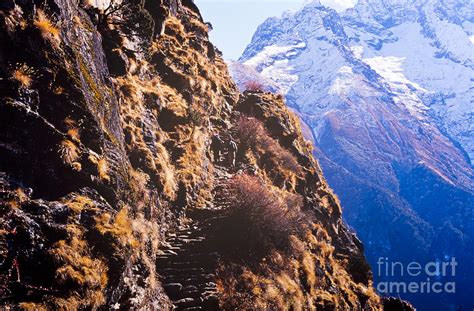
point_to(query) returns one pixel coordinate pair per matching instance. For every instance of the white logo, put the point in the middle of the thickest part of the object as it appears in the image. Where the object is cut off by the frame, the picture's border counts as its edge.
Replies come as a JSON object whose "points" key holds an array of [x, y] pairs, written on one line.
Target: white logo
{"points": [[435, 276]]}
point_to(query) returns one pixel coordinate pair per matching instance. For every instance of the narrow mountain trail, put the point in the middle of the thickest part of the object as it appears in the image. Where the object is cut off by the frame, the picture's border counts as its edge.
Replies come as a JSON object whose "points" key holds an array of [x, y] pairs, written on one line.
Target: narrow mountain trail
{"points": [[190, 257]]}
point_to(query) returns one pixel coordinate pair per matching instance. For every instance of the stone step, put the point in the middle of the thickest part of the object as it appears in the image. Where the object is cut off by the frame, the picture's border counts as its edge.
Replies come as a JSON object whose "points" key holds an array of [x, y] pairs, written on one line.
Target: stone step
{"points": [[173, 288], [187, 261], [196, 294], [186, 303], [166, 252], [190, 287], [209, 289], [193, 254], [196, 281], [209, 293], [188, 240], [184, 270], [210, 277], [190, 280], [209, 265]]}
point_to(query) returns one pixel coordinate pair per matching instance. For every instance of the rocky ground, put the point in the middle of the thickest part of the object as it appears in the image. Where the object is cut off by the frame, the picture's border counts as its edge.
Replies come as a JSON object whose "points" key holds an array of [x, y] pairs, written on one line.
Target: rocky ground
{"points": [[121, 137]]}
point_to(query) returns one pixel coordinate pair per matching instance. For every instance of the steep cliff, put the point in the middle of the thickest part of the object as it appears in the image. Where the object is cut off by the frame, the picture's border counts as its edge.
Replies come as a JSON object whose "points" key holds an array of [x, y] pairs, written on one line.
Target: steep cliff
{"points": [[124, 144]]}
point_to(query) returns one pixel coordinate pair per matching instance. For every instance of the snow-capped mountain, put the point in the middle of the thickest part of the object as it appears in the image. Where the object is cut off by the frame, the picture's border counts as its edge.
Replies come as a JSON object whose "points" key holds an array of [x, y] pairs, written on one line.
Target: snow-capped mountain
{"points": [[387, 88], [433, 41], [428, 45]]}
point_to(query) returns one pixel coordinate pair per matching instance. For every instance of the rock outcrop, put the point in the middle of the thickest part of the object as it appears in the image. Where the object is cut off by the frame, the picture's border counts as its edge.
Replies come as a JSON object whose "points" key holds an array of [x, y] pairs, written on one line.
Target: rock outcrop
{"points": [[125, 147]]}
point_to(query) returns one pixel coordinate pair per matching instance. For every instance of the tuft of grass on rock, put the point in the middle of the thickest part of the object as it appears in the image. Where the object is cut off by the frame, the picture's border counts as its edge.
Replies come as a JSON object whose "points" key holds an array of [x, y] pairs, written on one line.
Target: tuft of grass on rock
{"points": [[69, 152], [45, 25], [23, 75]]}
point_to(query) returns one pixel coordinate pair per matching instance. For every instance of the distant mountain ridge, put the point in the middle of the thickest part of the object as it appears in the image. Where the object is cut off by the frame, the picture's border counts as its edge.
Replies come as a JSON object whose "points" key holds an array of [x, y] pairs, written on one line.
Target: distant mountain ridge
{"points": [[387, 89]]}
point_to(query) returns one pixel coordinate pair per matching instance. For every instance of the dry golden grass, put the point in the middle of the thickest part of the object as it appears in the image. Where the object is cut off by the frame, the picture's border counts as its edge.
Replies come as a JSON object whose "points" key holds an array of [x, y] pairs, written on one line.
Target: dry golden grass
{"points": [[23, 75], [58, 90], [101, 165], [191, 162], [308, 265], [190, 168], [253, 135], [204, 77], [157, 162], [139, 194], [47, 28], [197, 25], [79, 202], [31, 306], [174, 25], [13, 204], [163, 166], [120, 227], [19, 198], [77, 268], [76, 166], [74, 134], [72, 129], [69, 152], [21, 195], [103, 169], [291, 281], [173, 100], [69, 122], [90, 299]]}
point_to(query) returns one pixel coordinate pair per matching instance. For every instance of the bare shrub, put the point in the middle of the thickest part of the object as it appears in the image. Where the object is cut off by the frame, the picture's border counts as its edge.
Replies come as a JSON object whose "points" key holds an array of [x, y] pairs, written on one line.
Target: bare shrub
{"points": [[254, 86], [249, 130], [258, 218]]}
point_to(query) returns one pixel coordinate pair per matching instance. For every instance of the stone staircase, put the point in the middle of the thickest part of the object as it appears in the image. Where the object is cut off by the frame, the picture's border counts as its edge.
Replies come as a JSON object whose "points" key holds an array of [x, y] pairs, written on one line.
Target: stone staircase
{"points": [[189, 259]]}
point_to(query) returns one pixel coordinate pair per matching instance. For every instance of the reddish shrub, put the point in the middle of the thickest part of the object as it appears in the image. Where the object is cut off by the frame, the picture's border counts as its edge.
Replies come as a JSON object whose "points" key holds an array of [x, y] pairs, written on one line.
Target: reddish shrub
{"points": [[254, 86], [258, 219], [248, 131]]}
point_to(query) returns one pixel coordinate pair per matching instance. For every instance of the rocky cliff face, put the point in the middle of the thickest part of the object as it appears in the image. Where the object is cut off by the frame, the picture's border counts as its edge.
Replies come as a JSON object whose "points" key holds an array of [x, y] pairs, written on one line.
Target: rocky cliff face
{"points": [[129, 161]]}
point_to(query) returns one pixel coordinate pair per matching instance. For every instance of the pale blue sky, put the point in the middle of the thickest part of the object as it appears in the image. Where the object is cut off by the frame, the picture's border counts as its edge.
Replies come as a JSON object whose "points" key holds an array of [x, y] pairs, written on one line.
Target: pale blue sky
{"points": [[235, 21]]}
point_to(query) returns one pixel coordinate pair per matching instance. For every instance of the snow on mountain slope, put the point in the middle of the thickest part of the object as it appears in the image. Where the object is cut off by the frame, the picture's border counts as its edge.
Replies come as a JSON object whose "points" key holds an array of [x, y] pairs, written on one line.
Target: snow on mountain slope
{"points": [[242, 73], [339, 5], [390, 68], [387, 89], [437, 49], [309, 52], [273, 63]]}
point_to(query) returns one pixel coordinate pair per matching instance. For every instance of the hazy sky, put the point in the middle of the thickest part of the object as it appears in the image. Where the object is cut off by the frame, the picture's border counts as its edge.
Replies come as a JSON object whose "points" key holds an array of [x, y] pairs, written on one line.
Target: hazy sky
{"points": [[235, 21]]}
